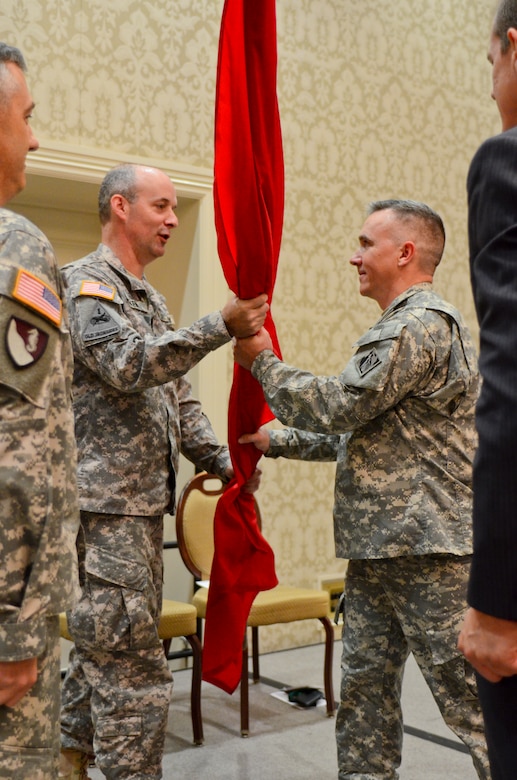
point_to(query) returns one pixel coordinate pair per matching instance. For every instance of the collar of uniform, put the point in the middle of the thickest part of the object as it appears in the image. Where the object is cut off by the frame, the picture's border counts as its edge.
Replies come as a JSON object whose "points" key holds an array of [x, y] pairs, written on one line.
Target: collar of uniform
{"points": [[133, 282], [423, 287]]}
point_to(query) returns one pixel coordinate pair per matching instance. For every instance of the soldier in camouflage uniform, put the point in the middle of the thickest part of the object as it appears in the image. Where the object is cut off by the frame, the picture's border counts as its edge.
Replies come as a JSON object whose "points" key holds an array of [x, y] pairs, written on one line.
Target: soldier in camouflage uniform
{"points": [[38, 494], [134, 415], [399, 421]]}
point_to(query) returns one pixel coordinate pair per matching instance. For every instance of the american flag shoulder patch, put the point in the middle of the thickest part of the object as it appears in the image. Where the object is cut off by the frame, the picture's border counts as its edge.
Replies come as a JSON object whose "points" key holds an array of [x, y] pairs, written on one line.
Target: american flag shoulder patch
{"points": [[97, 289], [34, 293]]}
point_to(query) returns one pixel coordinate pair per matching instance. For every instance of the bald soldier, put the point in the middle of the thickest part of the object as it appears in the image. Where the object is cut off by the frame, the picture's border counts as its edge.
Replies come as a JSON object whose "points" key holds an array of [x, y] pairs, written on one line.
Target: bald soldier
{"points": [[135, 414]]}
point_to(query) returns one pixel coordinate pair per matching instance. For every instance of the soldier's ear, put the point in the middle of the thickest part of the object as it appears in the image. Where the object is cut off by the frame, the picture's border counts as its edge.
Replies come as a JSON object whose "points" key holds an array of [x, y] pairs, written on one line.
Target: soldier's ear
{"points": [[512, 38], [407, 253], [119, 206]]}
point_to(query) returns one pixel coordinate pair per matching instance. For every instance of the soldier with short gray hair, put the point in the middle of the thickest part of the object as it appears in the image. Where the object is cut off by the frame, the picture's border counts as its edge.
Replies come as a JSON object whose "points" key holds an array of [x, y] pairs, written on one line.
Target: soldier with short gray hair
{"points": [[399, 421], [38, 495], [135, 413]]}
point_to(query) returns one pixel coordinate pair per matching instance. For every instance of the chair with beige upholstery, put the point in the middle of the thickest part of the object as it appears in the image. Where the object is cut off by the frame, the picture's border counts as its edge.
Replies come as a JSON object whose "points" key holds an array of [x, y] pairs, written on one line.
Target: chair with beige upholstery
{"points": [[178, 619], [283, 604]]}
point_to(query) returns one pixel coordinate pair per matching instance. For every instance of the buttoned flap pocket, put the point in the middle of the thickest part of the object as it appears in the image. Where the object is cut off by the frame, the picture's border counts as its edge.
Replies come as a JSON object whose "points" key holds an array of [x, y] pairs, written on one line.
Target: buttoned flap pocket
{"points": [[454, 670], [123, 600], [115, 728], [25, 458], [105, 565], [372, 361]]}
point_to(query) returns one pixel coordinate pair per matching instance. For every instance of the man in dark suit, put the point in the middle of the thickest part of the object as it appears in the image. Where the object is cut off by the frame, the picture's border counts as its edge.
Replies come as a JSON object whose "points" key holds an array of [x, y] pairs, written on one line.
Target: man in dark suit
{"points": [[489, 635]]}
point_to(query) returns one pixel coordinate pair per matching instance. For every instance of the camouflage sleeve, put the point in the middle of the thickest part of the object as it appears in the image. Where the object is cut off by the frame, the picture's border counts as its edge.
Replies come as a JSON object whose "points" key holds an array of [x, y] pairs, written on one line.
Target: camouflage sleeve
{"points": [[198, 441], [31, 417], [106, 341], [24, 509], [302, 445], [387, 367]]}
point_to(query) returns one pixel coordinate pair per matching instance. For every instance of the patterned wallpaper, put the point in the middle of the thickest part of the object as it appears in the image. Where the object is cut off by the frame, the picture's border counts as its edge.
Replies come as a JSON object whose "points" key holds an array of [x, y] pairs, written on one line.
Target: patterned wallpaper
{"points": [[376, 99]]}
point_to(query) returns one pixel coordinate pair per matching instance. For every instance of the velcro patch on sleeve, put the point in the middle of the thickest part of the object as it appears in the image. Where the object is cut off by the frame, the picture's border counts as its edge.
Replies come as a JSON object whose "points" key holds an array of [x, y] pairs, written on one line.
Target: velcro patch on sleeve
{"points": [[25, 343], [100, 325], [97, 289], [369, 362], [38, 296]]}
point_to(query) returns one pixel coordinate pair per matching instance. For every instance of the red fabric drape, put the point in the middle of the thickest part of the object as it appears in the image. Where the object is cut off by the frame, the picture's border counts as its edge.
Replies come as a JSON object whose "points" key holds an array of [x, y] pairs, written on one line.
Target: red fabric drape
{"points": [[249, 204]]}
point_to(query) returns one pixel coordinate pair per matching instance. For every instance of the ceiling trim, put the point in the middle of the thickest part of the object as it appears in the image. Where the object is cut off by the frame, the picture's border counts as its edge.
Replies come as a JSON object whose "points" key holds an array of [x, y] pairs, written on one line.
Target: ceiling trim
{"points": [[78, 163]]}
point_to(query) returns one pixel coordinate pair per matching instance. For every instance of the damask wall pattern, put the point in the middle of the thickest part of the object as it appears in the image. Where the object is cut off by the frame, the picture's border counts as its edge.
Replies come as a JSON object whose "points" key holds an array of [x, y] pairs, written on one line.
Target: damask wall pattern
{"points": [[377, 100]]}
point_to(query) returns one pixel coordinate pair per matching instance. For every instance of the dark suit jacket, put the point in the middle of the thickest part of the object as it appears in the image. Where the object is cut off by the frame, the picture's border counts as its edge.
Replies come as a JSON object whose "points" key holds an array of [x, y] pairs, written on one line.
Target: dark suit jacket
{"points": [[492, 199]]}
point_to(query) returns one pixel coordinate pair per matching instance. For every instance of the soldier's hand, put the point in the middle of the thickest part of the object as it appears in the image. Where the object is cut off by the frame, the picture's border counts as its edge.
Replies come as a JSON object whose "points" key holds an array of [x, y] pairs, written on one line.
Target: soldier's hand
{"points": [[244, 318], [16, 678], [260, 439], [246, 350], [252, 484]]}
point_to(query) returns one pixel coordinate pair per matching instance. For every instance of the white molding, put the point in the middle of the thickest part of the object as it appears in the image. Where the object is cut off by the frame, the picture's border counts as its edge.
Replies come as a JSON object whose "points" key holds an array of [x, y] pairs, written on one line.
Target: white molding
{"points": [[79, 163]]}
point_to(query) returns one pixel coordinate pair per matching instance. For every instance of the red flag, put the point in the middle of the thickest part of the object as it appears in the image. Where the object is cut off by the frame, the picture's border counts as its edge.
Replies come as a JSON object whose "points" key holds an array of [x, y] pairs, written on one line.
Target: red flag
{"points": [[249, 205]]}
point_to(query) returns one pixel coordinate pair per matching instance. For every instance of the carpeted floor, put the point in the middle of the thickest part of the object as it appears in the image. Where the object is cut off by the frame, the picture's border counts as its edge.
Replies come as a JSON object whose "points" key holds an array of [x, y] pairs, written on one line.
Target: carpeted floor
{"points": [[288, 743]]}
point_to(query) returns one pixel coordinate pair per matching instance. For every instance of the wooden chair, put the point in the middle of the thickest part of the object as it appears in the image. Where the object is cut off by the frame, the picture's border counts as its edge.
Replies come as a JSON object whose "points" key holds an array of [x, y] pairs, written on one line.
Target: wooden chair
{"points": [[283, 604], [178, 619]]}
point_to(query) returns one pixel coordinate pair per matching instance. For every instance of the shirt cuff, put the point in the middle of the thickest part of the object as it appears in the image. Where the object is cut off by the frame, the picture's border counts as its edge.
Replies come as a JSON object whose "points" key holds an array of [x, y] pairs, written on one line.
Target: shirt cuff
{"points": [[19, 641], [262, 363]]}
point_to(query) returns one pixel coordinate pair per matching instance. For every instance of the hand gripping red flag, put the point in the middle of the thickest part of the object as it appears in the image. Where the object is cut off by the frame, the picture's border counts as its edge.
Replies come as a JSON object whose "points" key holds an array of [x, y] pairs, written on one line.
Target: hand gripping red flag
{"points": [[249, 205]]}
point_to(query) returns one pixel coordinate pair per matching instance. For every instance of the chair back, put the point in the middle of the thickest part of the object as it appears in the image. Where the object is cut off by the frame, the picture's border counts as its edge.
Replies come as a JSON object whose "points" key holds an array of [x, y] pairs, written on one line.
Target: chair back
{"points": [[195, 522]]}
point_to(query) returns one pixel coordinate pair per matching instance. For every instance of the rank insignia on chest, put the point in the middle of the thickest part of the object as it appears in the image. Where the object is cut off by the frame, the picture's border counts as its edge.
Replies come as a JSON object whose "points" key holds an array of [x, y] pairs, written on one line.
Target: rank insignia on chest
{"points": [[25, 342], [369, 362], [100, 324]]}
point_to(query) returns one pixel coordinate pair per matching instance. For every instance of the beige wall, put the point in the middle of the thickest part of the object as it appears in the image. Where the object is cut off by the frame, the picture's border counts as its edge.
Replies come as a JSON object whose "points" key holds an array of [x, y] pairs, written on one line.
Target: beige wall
{"points": [[376, 99]]}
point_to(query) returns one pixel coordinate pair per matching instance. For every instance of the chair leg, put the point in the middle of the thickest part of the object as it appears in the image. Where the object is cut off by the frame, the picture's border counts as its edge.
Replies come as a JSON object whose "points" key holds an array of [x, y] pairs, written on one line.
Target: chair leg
{"points": [[195, 691], [329, 652], [245, 706], [255, 653]]}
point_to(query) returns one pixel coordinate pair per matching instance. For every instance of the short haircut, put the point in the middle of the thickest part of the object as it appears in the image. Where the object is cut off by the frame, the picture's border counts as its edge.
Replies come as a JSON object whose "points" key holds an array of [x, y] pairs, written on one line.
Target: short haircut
{"points": [[12, 54], [431, 227], [505, 17], [121, 180], [8, 54]]}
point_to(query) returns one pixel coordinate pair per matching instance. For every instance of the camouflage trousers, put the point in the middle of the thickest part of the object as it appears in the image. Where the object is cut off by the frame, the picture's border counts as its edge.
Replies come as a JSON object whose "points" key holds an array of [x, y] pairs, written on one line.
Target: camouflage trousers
{"points": [[29, 731], [118, 686], [394, 607]]}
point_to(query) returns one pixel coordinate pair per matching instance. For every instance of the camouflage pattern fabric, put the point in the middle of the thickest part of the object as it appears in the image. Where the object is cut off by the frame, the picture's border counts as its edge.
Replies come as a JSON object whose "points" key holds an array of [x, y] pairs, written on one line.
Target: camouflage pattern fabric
{"points": [[134, 409], [399, 421], [118, 686], [393, 607], [29, 732], [135, 413], [38, 493]]}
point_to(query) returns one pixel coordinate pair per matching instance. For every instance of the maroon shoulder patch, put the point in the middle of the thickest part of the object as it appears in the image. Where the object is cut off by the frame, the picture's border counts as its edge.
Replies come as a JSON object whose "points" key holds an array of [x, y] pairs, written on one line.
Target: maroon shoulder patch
{"points": [[25, 343]]}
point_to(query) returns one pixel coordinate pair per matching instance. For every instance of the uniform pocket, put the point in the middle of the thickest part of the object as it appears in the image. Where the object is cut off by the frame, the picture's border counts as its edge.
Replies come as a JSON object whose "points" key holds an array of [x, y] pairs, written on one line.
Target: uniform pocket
{"points": [[121, 600], [24, 475], [454, 667], [111, 728]]}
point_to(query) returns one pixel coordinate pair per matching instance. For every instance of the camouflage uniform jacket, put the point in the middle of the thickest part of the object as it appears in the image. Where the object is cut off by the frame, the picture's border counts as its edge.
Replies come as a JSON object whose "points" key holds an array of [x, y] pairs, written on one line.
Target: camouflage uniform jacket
{"points": [[134, 409], [399, 420], [38, 493]]}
